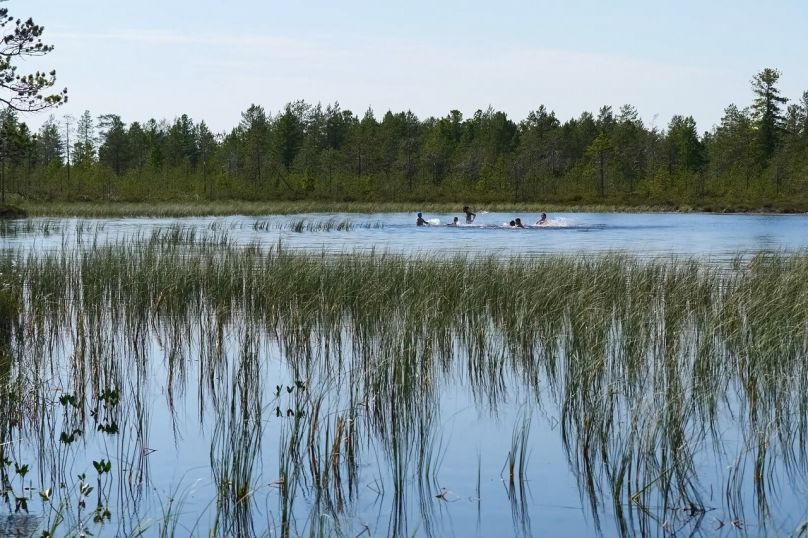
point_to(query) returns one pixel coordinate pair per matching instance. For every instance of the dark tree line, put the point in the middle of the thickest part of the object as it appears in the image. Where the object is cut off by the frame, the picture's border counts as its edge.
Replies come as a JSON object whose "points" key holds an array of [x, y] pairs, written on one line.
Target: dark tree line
{"points": [[754, 154]]}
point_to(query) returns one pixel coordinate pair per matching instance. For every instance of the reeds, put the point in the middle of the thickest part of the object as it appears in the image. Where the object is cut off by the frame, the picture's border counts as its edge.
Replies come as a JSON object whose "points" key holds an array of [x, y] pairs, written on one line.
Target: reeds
{"points": [[314, 225], [645, 363]]}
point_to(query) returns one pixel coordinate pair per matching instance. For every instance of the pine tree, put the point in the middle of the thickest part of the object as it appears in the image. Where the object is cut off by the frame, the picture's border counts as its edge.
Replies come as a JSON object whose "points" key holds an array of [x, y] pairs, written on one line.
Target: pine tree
{"points": [[24, 92], [84, 148]]}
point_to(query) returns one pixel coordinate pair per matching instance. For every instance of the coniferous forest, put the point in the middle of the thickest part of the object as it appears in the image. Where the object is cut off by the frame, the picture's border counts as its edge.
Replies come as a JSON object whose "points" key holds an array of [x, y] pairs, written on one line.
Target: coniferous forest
{"points": [[755, 158]]}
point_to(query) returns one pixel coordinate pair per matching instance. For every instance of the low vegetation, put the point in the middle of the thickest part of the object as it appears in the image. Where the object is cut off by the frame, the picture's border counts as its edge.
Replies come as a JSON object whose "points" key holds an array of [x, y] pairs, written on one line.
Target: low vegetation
{"points": [[646, 363], [235, 207]]}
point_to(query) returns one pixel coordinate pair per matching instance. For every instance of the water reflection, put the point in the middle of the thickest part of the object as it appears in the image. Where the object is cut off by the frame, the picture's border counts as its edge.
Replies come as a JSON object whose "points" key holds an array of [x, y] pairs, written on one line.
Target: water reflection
{"points": [[310, 395]]}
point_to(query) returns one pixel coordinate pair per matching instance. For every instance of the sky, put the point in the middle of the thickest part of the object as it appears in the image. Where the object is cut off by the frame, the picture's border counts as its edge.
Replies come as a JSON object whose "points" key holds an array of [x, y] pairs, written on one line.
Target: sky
{"points": [[212, 60]]}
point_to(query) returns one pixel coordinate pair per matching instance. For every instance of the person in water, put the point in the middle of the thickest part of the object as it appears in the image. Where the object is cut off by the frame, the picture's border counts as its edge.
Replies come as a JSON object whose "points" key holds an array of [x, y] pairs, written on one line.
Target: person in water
{"points": [[420, 221], [512, 224], [469, 214], [518, 223], [543, 220], [455, 222]]}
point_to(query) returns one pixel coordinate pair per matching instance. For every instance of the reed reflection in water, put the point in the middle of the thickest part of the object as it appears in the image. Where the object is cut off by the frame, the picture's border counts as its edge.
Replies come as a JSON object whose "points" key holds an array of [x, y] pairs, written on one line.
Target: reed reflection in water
{"points": [[295, 394]]}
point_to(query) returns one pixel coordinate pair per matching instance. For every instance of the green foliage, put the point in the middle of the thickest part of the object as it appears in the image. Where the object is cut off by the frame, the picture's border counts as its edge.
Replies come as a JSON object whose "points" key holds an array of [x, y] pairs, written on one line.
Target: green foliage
{"points": [[22, 39], [9, 312], [598, 151], [756, 156], [766, 111]]}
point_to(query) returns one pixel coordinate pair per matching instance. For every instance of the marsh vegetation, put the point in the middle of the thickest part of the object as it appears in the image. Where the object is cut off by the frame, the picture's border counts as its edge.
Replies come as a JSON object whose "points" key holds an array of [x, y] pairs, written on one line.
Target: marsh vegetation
{"points": [[165, 386]]}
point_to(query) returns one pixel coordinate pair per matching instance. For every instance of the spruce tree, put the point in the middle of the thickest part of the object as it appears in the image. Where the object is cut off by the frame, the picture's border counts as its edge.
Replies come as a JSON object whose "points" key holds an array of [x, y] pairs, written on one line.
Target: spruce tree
{"points": [[767, 110]]}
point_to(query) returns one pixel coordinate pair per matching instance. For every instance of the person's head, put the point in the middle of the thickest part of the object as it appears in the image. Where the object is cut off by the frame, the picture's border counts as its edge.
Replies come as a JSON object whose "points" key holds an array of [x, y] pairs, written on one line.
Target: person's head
{"points": [[465, 209], [544, 215], [456, 219], [419, 214], [513, 223], [518, 221]]}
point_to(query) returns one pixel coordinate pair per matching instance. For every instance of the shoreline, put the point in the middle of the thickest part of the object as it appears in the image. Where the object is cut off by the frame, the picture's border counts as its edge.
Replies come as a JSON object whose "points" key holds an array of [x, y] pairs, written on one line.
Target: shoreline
{"points": [[240, 207]]}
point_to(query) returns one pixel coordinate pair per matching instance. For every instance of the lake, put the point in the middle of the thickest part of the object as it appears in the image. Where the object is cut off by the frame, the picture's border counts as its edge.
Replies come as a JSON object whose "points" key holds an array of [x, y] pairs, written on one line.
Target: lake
{"points": [[648, 234], [178, 382]]}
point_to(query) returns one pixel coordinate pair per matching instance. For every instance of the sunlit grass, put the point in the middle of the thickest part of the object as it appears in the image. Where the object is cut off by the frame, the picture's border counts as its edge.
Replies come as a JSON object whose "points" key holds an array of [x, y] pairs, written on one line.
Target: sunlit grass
{"points": [[239, 207]]}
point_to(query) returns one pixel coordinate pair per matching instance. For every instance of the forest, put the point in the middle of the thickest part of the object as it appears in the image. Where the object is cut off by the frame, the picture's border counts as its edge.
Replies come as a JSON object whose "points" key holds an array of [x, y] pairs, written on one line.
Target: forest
{"points": [[756, 158]]}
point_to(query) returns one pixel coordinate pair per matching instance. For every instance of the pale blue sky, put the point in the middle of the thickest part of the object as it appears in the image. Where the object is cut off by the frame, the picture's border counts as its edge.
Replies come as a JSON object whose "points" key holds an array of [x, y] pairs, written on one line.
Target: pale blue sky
{"points": [[211, 60]]}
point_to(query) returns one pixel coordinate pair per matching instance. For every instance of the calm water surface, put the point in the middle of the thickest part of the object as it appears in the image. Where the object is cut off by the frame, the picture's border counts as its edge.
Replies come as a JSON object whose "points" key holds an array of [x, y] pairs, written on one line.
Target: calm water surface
{"points": [[647, 234]]}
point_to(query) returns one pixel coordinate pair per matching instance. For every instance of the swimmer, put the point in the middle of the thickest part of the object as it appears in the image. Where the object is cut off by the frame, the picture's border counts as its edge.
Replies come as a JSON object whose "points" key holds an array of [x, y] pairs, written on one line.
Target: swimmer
{"points": [[518, 223], [543, 220], [420, 220], [469, 214], [455, 222], [512, 224]]}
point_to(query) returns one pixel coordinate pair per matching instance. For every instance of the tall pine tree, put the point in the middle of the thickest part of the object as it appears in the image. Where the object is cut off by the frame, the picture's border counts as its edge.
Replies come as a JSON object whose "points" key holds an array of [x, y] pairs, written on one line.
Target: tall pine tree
{"points": [[767, 110]]}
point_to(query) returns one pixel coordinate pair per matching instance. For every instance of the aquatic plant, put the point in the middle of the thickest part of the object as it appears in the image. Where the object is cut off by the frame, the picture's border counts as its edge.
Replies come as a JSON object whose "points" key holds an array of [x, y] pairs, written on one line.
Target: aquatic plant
{"points": [[645, 364]]}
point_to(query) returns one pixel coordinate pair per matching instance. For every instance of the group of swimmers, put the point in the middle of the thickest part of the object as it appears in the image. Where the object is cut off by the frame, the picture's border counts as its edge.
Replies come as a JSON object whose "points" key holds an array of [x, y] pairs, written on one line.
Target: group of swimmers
{"points": [[517, 222], [470, 216]]}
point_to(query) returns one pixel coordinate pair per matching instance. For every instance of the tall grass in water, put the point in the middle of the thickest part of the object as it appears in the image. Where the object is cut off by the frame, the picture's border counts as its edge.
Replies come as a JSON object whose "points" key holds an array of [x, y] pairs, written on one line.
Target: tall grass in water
{"points": [[236, 446], [314, 225], [645, 361]]}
